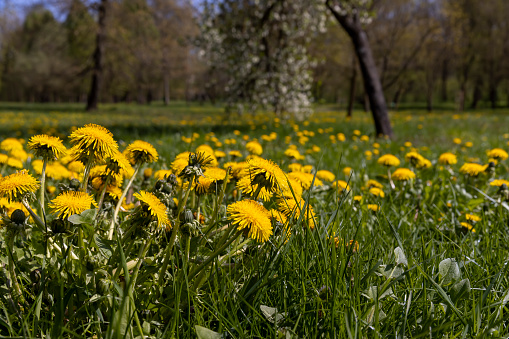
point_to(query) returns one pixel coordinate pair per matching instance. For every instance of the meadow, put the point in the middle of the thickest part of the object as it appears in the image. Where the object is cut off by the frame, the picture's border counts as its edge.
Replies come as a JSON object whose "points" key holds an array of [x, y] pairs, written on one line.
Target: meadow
{"points": [[178, 222]]}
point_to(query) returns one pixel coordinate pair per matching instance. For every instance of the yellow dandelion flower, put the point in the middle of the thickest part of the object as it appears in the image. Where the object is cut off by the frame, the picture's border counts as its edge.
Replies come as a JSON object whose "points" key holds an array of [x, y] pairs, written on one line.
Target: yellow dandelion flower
{"points": [[57, 171], [498, 154], [251, 216], [238, 169], [92, 142], [374, 207], [357, 198], [388, 160], [377, 192], [178, 165], [211, 180], [472, 217], [154, 207], [267, 174], [140, 152], [305, 179], [162, 174], [3, 158], [294, 167], [341, 185], [235, 154], [118, 164], [374, 183], [499, 182], [457, 141], [76, 166], [447, 159], [467, 226], [403, 174], [14, 163], [250, 189], [46, 147], [292, 208], [325, 175], [219, 154], [70, 202], [19, 154], [293, 153], [16, 185], [11, 144], [473, 169], [293, 191], [254, 147]]}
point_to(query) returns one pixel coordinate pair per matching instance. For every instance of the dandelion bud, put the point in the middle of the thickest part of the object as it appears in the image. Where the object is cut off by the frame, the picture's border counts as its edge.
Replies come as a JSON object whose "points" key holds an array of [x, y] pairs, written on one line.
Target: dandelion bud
{"points": [[74, 184], [18, 217]]}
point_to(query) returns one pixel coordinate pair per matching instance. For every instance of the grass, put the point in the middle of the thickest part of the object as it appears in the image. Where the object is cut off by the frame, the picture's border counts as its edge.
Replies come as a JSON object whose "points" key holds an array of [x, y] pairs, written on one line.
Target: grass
{"points": [[417, 271]]}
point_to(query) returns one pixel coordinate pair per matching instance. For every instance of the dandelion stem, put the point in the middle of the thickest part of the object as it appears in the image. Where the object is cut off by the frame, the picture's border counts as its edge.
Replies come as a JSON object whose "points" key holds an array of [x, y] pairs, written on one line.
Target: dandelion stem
{"points": [[214, 255], [390, 178], [86, 174], [101, 198], [218, 202], [119, 204], [43, 188], [17, 294], [174, 232]]}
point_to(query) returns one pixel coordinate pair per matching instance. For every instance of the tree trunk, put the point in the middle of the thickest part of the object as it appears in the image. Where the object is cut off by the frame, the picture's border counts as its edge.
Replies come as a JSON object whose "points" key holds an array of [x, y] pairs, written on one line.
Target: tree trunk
{"points": [[477, 94], [445, 75], [166, 89], [97, 71], [373, 86], [353, 80]]}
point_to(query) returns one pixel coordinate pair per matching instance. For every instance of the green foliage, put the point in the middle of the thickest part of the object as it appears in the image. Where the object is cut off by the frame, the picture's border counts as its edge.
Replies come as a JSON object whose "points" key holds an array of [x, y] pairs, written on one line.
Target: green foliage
{"points": [[416, 271]]}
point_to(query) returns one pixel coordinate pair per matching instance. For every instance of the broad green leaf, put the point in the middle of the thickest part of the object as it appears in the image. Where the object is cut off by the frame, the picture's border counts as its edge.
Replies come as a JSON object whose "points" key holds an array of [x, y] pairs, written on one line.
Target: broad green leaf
{"points": [[449, 271], [104, 245], [86, 217], [370, 317], [205, 333], [272, 314], [400, 257], [460, 290]]}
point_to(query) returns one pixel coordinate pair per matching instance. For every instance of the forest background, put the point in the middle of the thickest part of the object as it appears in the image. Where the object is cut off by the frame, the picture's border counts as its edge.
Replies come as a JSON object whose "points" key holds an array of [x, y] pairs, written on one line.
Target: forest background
{"points": [[450, 53]]}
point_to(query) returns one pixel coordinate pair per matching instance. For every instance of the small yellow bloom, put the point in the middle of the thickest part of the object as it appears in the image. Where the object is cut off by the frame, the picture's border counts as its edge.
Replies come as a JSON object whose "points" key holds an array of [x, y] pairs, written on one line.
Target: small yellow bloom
{"points": [[403, 174], [70, 202], [140, 152], [17, 185], [388, 160], [251, 216], [154, 208]]}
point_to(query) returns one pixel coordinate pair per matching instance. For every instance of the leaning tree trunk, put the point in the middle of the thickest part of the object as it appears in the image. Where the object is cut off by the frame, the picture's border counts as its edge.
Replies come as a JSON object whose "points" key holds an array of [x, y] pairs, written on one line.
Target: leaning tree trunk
{"points": [[373, 86], [97, 72], [351, 96]]}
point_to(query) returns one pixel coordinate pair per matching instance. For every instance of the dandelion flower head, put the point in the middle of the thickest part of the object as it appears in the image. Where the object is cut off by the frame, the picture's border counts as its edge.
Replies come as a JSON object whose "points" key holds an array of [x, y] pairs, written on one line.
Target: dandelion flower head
{"points": [[388, 160], [17, 185], [154, 207], [70, 202], [46, 147], [93, 142], [251, 216], [140, 152]]}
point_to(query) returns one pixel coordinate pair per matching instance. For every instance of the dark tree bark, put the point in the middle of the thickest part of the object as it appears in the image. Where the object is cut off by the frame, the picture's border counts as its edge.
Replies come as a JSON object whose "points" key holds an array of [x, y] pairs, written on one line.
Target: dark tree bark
{"points": [[353, 81], [476, 97], [373, 86], [97, 71], [445, 76]]}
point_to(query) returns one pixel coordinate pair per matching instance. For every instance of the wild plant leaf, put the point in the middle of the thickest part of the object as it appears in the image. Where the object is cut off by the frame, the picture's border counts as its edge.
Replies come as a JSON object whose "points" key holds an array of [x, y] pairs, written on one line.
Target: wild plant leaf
{"points": [[272, 314], [449, 271], [400, 257], [370, 317], [104, 245], [205, 333], [460, 290]]}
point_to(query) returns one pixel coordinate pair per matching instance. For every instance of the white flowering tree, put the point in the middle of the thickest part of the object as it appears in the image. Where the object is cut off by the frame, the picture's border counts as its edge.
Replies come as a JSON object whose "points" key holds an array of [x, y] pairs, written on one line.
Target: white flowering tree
{"points": [[260, 46]]}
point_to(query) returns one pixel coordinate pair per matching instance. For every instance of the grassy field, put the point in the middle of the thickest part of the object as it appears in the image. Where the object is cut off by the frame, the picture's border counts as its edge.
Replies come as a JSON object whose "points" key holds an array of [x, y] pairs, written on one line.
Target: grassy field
{"points": [[339, 245]]}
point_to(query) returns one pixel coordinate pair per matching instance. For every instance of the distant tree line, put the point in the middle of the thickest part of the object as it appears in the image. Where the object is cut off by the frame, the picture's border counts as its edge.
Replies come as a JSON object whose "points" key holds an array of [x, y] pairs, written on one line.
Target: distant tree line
{"points": [[429, 51]]}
